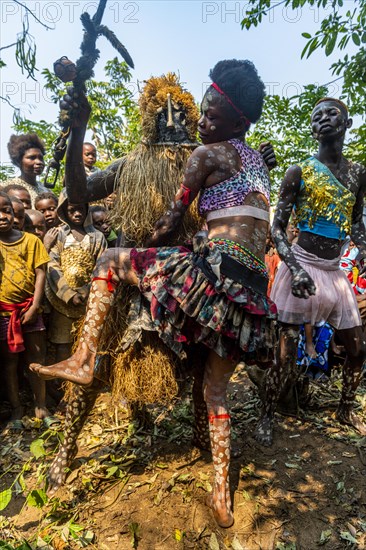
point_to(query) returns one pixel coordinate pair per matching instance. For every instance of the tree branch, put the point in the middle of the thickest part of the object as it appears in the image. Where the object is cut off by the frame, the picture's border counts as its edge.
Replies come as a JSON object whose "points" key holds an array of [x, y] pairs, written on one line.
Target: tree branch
{"points": [[265, 10], [2, 98], [32, 14], [9, 46], [331, 82]]}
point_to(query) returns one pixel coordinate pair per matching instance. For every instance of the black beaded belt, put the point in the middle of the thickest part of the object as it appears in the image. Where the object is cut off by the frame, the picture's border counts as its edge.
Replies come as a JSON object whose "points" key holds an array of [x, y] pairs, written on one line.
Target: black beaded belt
{"points": [[243, 275], [235, 271]]}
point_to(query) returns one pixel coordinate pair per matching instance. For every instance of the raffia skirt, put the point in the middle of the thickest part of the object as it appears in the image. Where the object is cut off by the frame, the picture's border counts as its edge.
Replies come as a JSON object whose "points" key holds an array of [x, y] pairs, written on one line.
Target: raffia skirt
{"points": [[334, 301], [189, 303]]}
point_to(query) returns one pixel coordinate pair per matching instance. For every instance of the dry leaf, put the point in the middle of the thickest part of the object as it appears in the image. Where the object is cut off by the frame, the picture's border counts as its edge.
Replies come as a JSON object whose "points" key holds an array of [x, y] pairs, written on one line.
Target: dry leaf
{"points": [[213, 543], [235, 544]]}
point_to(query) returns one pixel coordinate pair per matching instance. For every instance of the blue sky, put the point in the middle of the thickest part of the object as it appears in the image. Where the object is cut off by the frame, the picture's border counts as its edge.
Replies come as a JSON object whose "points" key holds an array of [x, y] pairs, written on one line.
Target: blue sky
{"points": [[187, 37]]}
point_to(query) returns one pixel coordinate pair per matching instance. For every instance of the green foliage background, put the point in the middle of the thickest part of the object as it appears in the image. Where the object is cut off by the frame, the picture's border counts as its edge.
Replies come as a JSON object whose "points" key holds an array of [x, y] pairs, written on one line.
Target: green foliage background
{"points": [[115, 119], [287, 120]]}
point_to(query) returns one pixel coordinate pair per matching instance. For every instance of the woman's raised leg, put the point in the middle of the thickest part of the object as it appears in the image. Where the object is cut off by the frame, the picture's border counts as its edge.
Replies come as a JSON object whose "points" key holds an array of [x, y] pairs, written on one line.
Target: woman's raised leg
{"points": [[112, 267]]}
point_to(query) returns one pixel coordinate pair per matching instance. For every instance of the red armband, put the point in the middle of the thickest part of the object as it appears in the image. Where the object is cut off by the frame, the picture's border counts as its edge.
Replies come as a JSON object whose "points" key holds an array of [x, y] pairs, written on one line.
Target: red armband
{"points": [[184, 193]]}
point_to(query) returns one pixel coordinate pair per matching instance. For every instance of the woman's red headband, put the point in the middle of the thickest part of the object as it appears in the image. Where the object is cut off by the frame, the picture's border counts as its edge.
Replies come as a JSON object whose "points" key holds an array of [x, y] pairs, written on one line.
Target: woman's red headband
{"points": [[218, 89]]}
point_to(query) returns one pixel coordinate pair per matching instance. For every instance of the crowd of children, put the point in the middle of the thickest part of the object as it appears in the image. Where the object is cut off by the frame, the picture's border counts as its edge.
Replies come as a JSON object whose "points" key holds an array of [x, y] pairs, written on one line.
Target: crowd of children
{"points": [[48, 249]]}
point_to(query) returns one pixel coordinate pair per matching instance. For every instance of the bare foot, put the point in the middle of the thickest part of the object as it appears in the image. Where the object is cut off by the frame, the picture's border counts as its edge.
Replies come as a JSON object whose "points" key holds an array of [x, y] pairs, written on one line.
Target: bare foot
{"points": [[264, 431], [347, 416], [310, 350], [223, 516], [79, 368], [41, 412]]}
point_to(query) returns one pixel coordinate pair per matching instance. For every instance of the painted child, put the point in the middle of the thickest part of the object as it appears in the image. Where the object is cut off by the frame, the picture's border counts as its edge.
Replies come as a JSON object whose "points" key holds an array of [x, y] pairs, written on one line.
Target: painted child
{"points": [[327, 191]]}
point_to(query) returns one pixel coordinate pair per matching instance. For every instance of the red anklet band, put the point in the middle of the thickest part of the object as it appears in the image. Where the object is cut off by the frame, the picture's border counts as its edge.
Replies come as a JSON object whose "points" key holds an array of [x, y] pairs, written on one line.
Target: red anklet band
{"points": [[111, 284], [212, 417]]}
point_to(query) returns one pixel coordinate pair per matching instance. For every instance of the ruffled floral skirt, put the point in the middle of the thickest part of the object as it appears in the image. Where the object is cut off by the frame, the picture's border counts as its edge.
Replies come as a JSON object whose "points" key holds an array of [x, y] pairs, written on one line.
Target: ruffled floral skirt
{"points": [[193, 299]]}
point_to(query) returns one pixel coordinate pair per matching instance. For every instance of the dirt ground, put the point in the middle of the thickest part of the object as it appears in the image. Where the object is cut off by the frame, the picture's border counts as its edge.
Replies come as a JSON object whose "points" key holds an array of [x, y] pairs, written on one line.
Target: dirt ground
{"points": [[145, 487]]}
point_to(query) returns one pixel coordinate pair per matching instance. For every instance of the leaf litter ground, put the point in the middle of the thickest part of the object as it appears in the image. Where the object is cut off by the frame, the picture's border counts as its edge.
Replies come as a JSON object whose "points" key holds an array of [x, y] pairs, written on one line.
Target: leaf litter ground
{"points": [[144, 486]]}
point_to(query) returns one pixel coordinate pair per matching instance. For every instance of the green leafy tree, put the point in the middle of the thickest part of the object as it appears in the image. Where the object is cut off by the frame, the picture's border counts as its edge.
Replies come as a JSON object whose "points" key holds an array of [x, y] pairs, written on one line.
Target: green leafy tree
{"points": [[288, 119], [6, 172], [115, 118]]}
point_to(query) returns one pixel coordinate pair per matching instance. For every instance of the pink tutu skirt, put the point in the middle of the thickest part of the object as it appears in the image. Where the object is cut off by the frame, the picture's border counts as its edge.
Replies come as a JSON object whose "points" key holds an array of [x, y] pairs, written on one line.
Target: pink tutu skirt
{"points": [[334, 301]]}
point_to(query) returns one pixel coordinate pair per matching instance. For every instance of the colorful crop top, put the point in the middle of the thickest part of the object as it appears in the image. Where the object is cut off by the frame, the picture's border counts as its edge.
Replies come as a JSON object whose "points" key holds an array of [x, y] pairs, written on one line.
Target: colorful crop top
{"points": [[324, 206], [252, 177]]}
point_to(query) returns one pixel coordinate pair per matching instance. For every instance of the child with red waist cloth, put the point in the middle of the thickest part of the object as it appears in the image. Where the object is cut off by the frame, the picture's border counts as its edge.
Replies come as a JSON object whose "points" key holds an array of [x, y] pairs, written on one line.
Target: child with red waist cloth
{"points": [[23, 259]]}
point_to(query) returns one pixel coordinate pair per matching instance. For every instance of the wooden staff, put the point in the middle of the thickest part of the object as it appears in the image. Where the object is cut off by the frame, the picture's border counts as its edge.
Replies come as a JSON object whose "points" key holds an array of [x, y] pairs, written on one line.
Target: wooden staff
{"points": [[79, 73]]}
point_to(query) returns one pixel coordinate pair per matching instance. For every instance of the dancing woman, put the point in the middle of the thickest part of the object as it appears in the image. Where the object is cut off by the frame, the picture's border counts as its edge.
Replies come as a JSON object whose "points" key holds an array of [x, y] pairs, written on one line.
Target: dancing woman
{"points": [[214, 292], [327, 191]]}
